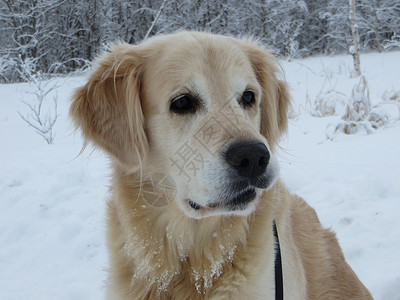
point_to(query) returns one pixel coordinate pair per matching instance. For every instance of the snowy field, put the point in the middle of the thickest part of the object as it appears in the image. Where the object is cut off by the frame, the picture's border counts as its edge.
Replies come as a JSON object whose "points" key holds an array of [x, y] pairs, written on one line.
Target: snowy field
{"points": [[52, 202]]}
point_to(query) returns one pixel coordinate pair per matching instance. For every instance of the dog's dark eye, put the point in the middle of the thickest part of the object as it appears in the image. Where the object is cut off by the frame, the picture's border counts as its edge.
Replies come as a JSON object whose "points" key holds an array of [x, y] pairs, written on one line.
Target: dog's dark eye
{"points": [[248, 99], [184, 104]]}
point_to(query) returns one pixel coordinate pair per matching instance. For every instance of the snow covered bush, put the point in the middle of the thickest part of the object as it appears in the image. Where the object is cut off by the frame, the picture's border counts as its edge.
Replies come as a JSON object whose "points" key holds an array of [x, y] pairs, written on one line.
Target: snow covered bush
{"points": [[361, 117], [387, 111], [394, 42], [329, 101], [7, 69], [42, 114], [359, 105], [391, 95], [378, 117], [357, 113]]}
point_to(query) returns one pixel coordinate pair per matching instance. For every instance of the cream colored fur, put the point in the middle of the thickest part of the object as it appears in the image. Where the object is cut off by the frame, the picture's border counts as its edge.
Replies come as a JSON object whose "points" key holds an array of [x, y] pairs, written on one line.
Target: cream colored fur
{"points": [[172, 251]]}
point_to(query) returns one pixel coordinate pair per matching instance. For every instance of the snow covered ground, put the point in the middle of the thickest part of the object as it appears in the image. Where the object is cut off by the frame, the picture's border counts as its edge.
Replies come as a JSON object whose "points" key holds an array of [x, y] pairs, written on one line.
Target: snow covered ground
{"points": [[52, 202]]}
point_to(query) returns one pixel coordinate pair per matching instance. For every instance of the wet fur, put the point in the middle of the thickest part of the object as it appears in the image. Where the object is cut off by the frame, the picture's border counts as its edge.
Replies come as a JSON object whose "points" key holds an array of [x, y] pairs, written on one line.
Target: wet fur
{"points": [[160, 252]]}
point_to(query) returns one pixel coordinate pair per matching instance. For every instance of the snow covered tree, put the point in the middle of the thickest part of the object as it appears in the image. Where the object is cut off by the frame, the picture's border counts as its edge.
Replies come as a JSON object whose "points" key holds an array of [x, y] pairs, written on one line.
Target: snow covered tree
{"points": [[378, 22], [355, 48], [62, 36]]}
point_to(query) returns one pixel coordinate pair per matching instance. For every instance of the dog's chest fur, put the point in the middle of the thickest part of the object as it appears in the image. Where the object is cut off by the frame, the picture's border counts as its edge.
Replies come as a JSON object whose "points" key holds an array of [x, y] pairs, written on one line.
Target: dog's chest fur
{"points": [[187, 258]]}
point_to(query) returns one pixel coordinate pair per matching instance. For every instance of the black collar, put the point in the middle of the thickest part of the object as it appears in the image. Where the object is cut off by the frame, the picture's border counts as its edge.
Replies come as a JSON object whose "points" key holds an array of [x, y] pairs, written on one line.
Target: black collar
{"points": [[278, 266]]}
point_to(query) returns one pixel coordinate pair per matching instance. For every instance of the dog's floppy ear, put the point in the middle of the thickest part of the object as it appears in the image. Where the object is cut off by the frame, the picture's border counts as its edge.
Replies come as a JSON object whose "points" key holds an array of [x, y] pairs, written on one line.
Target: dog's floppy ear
{"points": [[275, 95], [108, 107]]}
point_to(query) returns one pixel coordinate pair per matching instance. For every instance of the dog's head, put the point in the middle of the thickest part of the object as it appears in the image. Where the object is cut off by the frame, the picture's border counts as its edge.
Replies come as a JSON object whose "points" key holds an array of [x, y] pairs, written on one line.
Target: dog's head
{"points": [[205, 110]]}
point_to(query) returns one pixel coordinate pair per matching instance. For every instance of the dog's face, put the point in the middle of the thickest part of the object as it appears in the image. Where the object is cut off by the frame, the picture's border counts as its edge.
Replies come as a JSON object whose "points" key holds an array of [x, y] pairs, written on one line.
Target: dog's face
{"points": [[204, 110]]}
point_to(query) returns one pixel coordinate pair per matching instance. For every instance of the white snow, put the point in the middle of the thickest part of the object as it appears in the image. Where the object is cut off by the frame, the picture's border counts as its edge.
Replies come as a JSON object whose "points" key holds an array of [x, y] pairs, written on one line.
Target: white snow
{"points": [[52, 201]]}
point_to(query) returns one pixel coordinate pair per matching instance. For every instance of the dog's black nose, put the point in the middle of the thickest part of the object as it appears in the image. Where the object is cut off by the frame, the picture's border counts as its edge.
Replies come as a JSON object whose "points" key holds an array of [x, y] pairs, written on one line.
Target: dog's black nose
{"points": [[250, 159]]}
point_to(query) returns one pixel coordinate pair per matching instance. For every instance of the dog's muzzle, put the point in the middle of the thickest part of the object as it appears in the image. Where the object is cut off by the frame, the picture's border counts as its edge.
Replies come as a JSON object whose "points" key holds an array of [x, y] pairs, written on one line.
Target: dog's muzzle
{"points": [[247, 163]]}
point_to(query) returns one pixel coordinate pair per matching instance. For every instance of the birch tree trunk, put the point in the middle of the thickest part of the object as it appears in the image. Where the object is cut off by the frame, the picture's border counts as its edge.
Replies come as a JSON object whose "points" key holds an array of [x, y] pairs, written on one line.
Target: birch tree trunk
{"points": [[155, 19], [355, 48]]}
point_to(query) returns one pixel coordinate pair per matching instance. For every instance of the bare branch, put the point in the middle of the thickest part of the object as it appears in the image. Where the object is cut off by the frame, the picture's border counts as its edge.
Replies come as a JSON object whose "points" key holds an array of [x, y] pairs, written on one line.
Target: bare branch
{"points": [[163, 4]]}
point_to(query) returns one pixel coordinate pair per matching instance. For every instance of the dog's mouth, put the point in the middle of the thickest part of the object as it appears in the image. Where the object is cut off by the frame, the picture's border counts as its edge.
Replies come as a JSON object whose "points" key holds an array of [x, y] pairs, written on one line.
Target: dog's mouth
{"points": [[240, 196], [239, 201], [194, 205]]}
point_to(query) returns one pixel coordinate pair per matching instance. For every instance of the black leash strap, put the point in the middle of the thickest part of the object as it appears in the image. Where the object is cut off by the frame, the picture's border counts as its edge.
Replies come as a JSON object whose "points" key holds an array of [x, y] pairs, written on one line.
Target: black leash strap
{"points": [[278, 267]]}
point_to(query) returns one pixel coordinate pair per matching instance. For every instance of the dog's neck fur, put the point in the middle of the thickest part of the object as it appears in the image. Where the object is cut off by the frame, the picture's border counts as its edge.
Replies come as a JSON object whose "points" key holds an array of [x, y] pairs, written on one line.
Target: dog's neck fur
{"points": [[167, 249]]}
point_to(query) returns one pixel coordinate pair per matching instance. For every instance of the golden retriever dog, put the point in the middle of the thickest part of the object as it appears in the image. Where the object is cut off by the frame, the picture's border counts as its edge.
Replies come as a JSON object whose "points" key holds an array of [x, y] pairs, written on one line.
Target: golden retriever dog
{"points": [[191, 123]]}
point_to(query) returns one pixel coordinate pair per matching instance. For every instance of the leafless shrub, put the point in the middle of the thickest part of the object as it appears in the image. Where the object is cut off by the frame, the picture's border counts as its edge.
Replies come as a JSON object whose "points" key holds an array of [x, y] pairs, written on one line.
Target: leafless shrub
{"points": [[359, 105], [329, 101], [357, 113], [391, 95], [41, 115], [349, 127], [378, 117]]}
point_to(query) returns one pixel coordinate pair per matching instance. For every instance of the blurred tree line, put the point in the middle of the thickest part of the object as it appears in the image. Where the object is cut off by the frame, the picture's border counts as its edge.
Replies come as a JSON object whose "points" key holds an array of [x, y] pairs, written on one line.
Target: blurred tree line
{"points": [[61, 36]]}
